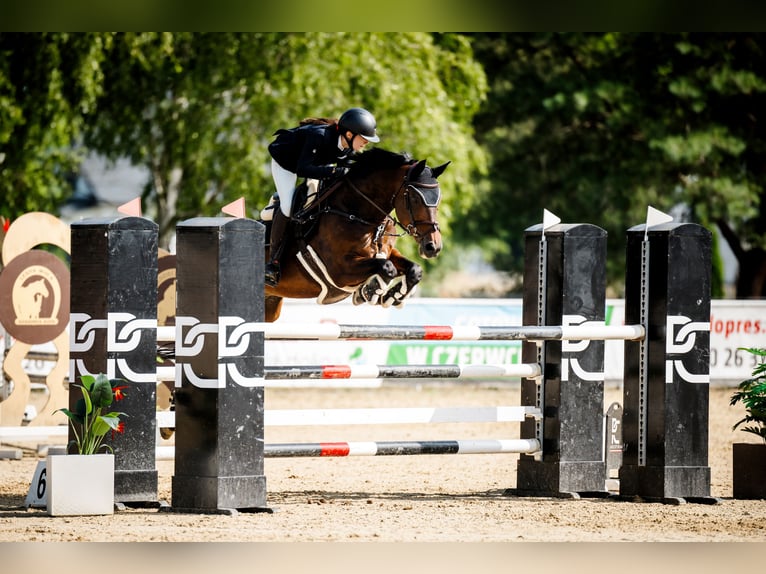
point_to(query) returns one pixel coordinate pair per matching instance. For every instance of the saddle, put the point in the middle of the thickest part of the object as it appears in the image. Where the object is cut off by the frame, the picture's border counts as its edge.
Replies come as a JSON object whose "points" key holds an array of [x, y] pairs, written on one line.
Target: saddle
{"points": [[303, 199], [307, 203]]}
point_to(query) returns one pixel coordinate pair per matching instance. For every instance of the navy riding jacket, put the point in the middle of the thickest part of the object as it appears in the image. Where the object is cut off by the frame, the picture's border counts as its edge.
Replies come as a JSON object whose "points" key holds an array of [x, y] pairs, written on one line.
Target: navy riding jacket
{"points": [[309, 151]]}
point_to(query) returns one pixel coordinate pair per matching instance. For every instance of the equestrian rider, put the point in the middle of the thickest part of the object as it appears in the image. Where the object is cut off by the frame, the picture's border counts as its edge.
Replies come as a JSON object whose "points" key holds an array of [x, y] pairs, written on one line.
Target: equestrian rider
{"points": [[317, 149]]}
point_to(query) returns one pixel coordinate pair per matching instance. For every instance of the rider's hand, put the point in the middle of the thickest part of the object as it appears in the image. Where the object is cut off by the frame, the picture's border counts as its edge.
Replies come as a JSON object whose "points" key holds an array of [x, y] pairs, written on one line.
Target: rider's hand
{"points": [[340, 171]]}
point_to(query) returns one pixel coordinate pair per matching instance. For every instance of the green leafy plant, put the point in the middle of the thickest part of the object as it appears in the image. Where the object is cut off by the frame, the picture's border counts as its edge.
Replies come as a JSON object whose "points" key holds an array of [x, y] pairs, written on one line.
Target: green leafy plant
{"points": [[91, 420], [752, 394]]}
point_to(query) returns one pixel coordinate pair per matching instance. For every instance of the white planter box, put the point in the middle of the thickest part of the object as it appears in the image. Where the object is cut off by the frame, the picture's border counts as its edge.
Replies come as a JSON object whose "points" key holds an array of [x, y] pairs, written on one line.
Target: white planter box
{"points": [[80, 484]]}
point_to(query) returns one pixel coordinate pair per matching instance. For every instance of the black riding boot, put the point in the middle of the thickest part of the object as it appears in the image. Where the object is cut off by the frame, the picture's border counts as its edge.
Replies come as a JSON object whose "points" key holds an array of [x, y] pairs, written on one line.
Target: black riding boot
{"points": [[278, 225]]}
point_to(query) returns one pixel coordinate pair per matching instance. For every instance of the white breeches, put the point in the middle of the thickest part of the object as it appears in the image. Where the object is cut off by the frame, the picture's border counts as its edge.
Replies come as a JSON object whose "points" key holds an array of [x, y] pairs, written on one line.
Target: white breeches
{"points": [[285, 182]]}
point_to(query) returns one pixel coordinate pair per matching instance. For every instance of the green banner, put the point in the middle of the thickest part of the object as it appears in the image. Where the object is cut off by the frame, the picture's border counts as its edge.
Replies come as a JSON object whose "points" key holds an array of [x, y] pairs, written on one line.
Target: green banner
{"points": [[447, 353]]}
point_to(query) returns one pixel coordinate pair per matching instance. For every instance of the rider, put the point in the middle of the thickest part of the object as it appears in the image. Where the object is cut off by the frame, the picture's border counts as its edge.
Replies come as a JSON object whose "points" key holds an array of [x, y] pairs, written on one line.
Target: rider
{"points": [[317, 149]]}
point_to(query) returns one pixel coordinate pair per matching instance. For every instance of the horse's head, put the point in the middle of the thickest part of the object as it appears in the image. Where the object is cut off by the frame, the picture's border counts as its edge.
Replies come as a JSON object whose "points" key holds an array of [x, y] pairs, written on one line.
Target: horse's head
{"points": [[394, 181], [416, 206]]}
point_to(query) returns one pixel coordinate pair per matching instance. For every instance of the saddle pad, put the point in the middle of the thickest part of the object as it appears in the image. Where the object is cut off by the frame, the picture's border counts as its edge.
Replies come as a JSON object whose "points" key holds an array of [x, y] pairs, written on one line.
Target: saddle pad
{"points": [[315, 267]]}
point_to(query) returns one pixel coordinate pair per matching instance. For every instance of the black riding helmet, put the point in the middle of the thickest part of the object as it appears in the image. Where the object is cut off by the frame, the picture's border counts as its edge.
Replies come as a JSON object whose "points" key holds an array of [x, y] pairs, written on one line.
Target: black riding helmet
{"points": [[360, 122]]}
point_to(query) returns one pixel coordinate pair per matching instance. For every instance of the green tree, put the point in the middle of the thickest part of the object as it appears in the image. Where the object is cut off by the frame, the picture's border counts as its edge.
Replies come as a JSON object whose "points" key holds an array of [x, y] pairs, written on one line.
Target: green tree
{"points": [[595, 127], [48, 85], [198, 110]]}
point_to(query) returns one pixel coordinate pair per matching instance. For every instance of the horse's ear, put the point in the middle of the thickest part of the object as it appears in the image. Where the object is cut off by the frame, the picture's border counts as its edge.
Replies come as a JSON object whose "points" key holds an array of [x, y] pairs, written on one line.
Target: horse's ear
{"points": [[417, 169], [437, 171]]}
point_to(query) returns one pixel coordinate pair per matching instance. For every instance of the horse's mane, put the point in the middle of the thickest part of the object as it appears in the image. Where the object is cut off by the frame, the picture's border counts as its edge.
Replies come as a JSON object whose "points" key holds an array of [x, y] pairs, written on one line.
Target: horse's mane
{"points": [[376, 159]]}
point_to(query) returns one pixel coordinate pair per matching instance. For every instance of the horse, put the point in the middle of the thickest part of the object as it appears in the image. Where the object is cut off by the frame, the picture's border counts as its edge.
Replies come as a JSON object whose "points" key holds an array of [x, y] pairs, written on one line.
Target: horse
{"points": [[342, 243]]}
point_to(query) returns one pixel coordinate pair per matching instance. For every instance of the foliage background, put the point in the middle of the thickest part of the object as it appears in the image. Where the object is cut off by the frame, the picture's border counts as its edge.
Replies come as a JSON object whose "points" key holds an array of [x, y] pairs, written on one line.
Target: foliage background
{"points": [[592, 126]]}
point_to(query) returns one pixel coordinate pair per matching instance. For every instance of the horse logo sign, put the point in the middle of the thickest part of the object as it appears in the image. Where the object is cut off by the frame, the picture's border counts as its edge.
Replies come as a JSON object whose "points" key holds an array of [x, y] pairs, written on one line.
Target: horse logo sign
{"points": [[34, 297]]}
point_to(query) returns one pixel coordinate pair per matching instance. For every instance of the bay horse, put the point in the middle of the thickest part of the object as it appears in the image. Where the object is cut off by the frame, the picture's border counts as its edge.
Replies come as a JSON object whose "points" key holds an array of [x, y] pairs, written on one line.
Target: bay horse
{"points": [[342, 244]]}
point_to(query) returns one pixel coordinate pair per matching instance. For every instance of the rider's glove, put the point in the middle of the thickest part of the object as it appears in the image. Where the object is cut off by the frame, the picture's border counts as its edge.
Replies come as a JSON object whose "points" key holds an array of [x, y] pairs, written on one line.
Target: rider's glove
{"points": [[340, 171]]}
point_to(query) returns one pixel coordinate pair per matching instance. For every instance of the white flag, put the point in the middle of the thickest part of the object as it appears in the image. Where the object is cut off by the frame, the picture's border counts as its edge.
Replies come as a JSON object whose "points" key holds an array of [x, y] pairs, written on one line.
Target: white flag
{"points": [[549, 220], [655, 217]]}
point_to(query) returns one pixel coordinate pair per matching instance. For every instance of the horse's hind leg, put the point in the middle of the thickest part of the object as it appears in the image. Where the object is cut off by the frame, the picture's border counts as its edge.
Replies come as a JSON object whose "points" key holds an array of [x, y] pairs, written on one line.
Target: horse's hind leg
{"points": [[272, 308]]}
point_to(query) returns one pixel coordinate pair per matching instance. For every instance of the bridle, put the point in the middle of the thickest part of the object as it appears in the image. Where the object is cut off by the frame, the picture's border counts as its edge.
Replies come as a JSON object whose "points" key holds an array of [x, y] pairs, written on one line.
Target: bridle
{"points": [[407, 186]]}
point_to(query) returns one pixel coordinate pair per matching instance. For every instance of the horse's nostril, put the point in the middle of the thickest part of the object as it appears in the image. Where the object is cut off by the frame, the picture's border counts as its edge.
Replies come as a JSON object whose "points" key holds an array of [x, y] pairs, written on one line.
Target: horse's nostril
{"points": [[431, 249]]}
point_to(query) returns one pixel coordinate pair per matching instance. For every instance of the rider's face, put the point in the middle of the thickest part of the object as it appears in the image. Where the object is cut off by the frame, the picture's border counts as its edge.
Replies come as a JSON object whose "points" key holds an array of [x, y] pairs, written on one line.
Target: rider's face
{"points": [[357, 141]]}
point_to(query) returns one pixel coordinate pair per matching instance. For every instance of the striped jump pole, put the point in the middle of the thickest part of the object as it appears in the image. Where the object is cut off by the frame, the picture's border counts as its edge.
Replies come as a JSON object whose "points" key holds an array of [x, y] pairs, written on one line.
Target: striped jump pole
{"points": [[332, 331], [667, 375], [401, 371], [396, 448], [388, 416], [564, 284], [112, 330], [328, 372], [387, 448]]}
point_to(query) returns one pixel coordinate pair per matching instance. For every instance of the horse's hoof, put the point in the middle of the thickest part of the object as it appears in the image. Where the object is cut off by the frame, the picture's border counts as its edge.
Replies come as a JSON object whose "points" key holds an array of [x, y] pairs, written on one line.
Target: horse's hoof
{"points": [[372, 294]]}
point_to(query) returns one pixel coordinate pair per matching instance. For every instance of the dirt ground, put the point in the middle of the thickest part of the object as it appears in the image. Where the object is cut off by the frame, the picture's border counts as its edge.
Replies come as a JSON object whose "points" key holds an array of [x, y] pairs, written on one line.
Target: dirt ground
{"points": [[434, 498]]}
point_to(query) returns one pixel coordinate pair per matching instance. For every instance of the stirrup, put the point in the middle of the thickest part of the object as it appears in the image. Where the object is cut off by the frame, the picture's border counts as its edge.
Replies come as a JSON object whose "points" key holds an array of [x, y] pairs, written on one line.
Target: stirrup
{"points": [[271, 274]]}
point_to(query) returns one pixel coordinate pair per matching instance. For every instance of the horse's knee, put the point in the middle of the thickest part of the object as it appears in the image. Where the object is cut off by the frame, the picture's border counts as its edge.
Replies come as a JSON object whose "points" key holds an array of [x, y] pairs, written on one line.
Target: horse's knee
{"points": [[414, 274], [388, 269]]}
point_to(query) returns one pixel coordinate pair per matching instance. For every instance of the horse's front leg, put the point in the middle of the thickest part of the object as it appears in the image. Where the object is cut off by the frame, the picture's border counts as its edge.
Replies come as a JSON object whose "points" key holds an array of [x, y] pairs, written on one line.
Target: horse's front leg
{"points": [[380, 275], [409, 274], [391, 283], [411, 271]]}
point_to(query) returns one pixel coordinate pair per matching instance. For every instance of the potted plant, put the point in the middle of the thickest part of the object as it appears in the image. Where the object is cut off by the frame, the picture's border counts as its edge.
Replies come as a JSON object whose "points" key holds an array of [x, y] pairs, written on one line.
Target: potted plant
{"points": [[749, 459], [83, 482]]}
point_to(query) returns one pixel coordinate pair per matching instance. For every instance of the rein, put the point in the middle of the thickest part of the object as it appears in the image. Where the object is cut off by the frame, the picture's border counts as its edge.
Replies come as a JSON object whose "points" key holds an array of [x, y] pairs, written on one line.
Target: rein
{"points": [[412, 228]]}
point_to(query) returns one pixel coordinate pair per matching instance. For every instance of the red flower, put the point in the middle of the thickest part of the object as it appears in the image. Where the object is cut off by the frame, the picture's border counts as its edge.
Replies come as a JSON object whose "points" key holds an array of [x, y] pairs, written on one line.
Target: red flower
{"points": [[120, 429], [118, 394], [6, 224]]}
